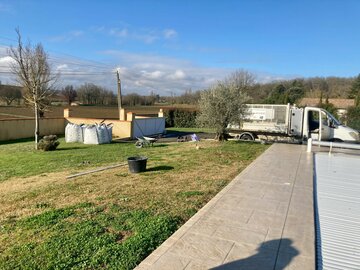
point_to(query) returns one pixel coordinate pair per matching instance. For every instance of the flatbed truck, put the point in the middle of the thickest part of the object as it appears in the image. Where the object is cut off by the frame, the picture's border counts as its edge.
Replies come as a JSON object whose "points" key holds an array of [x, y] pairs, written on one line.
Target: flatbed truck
{"points": [[274, 121]]}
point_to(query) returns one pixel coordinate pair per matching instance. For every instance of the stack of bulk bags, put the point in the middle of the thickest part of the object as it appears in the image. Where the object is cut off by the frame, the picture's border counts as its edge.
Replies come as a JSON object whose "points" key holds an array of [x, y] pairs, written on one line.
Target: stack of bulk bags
{"points": [[74, 133], [89, 134]]}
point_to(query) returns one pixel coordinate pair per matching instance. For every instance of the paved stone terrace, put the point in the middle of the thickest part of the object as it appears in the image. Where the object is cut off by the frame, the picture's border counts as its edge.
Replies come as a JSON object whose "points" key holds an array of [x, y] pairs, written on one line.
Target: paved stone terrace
{"points": [[262, 220]]}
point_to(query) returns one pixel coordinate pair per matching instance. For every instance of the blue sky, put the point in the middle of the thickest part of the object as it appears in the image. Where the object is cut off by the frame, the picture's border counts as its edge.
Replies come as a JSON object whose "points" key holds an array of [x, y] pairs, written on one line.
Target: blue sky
{"points": [[170, 46]]}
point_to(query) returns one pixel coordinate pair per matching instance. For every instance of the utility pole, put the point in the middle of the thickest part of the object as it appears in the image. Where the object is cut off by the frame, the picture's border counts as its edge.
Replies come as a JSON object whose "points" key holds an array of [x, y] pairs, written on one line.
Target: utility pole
{"points": [[119, 92]]}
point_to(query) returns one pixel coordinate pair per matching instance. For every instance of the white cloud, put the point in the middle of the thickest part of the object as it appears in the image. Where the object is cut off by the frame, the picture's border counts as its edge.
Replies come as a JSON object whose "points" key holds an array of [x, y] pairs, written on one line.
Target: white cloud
{"points": [[76, 33], [7, 60], [170, 33], [139, 73], [157, 74], [142, 73], [177, 75], [69, 36], [118, 33], [62, 67], [147, 36]]}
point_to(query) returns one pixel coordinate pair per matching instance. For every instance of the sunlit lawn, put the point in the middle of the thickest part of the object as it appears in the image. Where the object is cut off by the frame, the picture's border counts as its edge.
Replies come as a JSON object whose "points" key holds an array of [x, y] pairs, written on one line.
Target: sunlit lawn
{"points": [[110, 219]]}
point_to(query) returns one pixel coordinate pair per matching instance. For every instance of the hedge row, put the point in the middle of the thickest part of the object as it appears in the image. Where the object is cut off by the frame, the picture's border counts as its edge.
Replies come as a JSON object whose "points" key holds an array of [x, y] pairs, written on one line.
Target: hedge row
{"points": [[353, 117], [180, 118]]}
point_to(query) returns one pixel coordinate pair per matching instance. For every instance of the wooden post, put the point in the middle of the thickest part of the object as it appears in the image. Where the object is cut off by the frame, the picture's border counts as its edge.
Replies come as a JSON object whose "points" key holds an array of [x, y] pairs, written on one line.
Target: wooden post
{"points": [[67, 113], [119, 93], [122, 115], [130, 116]]}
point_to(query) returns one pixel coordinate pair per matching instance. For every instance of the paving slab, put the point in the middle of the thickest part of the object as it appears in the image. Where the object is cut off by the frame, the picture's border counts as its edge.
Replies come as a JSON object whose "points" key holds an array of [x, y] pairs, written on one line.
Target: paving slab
{"points": [[263, 219]]}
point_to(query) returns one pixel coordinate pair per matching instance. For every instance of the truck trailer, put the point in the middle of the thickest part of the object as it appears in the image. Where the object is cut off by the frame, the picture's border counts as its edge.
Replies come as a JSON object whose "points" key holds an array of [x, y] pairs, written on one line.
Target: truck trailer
{"points": [[269, 120]]}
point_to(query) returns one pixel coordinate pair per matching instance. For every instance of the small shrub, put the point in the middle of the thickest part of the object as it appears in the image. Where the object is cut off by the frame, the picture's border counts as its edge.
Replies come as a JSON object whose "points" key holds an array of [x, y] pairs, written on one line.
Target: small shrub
{"points": [[48, 143]]}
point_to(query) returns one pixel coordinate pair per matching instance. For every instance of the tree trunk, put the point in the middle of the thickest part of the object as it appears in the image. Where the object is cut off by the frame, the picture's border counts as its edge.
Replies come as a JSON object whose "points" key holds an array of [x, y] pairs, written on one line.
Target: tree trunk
{"points": [[221, 136], [37, 129]]}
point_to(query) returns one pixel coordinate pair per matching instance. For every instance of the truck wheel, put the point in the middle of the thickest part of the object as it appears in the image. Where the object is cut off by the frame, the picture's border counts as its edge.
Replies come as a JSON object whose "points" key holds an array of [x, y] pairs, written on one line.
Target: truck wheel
{"points": [[246, 137]]}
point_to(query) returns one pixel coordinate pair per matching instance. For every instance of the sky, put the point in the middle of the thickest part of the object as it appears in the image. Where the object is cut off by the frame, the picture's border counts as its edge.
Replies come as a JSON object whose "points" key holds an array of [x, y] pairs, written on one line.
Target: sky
{"points": [[167, 47]]}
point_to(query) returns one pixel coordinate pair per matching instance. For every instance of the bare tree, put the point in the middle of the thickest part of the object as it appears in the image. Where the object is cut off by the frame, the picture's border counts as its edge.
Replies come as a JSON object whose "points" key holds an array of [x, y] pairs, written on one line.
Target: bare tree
{"points": [[33, 73], [9, 93], [69, 93], [241, 78], [89, 93], [221, 105]]}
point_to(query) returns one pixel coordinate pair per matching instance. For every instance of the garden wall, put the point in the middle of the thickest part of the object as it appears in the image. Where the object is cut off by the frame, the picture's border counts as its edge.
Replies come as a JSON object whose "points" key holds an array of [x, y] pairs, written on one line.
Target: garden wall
{"points": [[19, 128], [130, 126]]}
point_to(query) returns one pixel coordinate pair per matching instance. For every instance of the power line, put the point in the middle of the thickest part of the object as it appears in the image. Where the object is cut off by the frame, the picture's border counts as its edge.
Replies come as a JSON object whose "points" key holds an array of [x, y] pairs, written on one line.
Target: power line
{"points": [[99, 64], [59, 60], [70, 73]]}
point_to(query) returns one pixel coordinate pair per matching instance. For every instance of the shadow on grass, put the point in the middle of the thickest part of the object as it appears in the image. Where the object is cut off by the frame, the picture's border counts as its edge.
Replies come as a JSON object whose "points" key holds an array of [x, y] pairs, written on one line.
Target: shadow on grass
{"points": [[160, 145], [17, 141], [69, 148], [160, 168], [24, 140]]}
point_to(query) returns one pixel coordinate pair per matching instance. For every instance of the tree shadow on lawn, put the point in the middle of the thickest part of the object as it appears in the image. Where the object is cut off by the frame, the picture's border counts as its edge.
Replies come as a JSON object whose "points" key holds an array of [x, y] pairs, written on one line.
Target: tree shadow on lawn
{"points": [[160, 168], [68, 148], [17, 141], [160, 145]]}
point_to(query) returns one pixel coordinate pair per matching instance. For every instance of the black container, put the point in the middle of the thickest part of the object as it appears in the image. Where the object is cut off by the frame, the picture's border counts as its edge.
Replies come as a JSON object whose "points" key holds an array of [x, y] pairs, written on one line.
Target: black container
{"points": [[137, 164]]}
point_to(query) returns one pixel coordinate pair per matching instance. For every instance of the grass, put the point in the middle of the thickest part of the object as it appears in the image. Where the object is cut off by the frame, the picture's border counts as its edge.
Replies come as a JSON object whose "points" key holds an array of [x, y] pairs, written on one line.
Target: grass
{"points": [[86, 237], [111, 219], [20, 159]]}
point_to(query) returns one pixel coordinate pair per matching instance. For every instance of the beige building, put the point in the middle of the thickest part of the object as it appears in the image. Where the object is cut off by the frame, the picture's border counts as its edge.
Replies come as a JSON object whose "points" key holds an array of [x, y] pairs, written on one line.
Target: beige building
{"points": [[342, 104]]}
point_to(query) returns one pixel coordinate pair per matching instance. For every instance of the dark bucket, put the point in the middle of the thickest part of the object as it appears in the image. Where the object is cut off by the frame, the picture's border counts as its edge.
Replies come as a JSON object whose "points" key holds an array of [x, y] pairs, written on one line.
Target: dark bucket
{"points": [[137, 164]]}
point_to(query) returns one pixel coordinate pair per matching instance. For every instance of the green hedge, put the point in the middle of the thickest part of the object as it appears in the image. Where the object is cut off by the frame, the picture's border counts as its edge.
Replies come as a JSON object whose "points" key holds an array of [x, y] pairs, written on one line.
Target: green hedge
{"points": [[180, 118], [353, 117]]}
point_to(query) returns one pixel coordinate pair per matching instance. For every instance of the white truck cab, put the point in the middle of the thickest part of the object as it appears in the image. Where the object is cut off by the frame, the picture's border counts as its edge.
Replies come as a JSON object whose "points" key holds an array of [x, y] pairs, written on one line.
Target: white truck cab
{"points": [[321, 125]]}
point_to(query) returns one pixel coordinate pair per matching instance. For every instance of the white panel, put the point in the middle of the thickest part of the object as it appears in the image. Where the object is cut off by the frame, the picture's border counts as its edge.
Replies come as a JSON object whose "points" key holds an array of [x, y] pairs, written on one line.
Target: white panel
{"points": [[338, 211], [148, 126]]}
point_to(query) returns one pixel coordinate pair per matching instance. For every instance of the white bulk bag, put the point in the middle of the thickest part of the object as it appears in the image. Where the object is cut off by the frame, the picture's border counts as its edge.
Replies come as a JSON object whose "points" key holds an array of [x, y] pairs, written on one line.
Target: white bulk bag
{"points": [[91, 135], [73, 133], [109, 129], [103, 134]]}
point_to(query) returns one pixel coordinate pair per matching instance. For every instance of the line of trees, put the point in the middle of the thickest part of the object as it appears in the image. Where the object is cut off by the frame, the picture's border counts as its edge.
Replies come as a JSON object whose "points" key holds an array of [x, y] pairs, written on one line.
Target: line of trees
{"points": [[285, 91], [280, 92], [92, 94]]}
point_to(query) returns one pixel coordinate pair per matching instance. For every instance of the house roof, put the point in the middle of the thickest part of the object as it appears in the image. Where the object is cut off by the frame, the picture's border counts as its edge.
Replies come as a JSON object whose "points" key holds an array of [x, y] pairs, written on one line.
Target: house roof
{"points": [[340, 103]]}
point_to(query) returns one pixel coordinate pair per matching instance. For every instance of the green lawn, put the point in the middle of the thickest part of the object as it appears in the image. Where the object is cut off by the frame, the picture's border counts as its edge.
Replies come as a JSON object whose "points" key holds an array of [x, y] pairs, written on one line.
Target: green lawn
{"points": [[111, 219], [20, 159]]}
